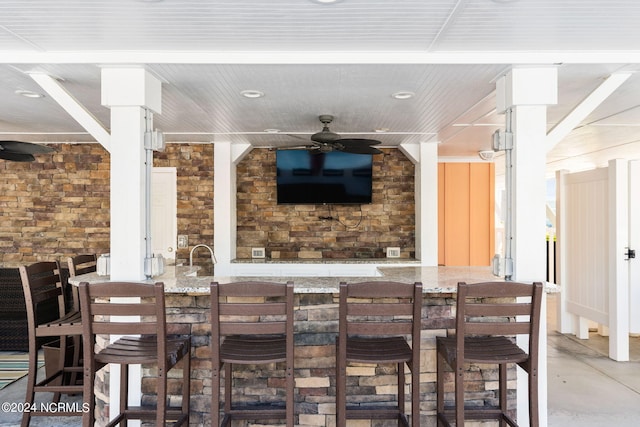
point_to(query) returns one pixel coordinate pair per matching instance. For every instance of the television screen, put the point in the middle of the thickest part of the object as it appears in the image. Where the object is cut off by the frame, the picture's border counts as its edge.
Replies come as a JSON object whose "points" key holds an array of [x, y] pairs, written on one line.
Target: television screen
{"points": [[305, 177]]}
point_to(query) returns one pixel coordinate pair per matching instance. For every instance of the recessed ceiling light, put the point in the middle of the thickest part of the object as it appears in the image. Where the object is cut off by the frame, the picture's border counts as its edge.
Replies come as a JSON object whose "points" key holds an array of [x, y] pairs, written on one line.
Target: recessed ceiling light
{"points": [[272, 130], [28, 93], [403, 95], [252, 94]]}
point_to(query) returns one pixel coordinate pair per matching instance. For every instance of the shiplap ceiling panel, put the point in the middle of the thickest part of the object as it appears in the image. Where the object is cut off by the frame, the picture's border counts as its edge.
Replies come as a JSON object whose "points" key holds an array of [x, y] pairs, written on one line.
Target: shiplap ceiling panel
{"points": [[344, 59]]}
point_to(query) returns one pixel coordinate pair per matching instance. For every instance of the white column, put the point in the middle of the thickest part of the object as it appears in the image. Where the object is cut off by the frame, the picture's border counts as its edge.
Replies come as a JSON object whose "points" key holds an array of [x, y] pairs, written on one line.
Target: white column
{"points": [[128, 91], [527, 92], [618, 267], [224, 207], [425, 158]]}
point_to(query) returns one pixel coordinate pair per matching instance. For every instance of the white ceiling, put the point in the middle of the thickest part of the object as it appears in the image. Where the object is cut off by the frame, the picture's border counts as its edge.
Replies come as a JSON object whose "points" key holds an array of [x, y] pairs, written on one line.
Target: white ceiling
{"points": [[344, 59]]}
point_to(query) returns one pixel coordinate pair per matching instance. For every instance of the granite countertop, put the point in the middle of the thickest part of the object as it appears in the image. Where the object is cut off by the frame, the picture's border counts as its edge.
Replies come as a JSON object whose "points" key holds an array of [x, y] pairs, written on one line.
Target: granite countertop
{"points": [[437, 280]]}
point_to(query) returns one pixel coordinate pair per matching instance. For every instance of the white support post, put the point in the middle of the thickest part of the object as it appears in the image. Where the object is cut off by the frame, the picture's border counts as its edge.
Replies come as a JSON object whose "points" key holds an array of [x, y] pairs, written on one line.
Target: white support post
{"points": [[526, 92], [565, 320], [225, 158], [425, 158], [618, 267], [128, 92]]}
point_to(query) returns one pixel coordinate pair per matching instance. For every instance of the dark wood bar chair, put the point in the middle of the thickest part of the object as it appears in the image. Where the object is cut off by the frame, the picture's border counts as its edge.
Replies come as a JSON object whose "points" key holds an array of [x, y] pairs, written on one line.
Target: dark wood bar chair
{"points": [[489, 316], [375, 320], [80, 264], [251, 323], [102, 315], [49, 324]]}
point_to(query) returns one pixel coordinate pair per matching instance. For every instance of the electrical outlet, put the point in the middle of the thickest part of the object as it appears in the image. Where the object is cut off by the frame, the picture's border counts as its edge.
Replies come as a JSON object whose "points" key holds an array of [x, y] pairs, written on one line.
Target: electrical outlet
{"points": [[257, 253], [393, 252], [183, 241]]}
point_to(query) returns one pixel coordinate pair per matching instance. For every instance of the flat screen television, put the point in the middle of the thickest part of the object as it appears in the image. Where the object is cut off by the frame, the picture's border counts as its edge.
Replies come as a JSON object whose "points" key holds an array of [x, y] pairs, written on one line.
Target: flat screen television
{"points": [[305, 177]]}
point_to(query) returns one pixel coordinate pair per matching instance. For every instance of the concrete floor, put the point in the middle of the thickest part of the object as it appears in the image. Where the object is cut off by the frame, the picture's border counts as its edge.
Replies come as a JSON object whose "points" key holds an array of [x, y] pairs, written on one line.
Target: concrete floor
{"points": [[585, 387]]}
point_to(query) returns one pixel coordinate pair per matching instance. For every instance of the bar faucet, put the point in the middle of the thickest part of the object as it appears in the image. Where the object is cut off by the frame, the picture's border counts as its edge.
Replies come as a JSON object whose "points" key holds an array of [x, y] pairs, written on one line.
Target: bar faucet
{"points": [[213, 257]]}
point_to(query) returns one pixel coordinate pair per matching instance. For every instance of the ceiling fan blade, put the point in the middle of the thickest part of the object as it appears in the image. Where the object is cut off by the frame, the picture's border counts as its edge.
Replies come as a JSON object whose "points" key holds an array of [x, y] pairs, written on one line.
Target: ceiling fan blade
{"points": [[365, 149], [358, 146], [358, 141], [16, 157], [24, 147]]}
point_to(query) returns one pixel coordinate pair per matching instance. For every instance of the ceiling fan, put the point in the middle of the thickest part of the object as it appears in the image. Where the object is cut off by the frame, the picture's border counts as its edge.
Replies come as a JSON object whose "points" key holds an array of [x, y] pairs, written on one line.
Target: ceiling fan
{"points": [[18, 151], [326, 141]]}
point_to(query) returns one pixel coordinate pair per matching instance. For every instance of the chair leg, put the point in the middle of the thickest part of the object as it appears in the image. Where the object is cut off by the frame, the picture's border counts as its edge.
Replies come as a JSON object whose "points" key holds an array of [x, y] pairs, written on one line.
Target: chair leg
{"points": [[439, 386], [502, 390], [228, 383], [88, 394], [534, 420], [290, 389], [31, 382], [459, 392], [341, 383], [186, 386], [401, 383], [215, 394], [415, 394], [124, 389], [161, 397]]}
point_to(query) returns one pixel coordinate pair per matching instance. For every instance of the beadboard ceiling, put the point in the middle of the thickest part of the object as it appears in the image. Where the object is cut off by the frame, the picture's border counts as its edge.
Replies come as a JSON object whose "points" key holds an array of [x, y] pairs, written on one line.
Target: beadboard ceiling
{"points": [[310, 58]]}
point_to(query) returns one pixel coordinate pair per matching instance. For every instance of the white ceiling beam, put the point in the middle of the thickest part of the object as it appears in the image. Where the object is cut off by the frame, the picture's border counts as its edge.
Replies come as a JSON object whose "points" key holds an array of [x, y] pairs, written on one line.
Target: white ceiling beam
{"points": [[319, 57], [73, 107], [583, 109]]}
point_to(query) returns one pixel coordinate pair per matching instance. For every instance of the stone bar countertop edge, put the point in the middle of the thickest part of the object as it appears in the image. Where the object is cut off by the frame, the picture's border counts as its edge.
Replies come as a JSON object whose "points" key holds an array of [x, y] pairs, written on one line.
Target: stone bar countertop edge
{"points": [[435, 280]]}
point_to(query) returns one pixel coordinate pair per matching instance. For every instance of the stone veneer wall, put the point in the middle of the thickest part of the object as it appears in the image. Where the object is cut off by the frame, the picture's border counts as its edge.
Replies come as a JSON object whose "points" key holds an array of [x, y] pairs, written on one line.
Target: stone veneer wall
{"points": [[316, 326], [59, 205], [295, 231]]}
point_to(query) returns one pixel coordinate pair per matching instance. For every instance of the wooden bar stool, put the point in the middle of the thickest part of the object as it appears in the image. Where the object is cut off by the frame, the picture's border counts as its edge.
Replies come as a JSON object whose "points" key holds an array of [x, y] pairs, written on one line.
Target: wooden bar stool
{"points": [[80, 264], [489, 316], [102, 315], [374, 320], [47, 323], [251, 323]]}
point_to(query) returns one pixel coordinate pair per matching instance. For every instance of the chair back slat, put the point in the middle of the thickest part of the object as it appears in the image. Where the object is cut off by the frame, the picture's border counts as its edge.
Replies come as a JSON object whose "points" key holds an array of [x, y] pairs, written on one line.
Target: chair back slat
{"points": [[256, 289], [381, 289], [82, 264], [251, 308], [101, 315], [42, 288], [379, 309], [123, 309], [498, 308]]}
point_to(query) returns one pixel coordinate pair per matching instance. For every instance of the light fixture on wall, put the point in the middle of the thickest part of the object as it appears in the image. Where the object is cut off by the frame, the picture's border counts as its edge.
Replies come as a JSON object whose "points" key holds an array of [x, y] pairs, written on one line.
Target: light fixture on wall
{"points": [[487, 155]]}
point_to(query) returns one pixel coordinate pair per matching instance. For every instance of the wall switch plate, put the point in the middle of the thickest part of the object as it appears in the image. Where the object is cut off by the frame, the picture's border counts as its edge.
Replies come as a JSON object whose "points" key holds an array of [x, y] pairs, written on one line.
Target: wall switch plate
{"points": [[183, 241], [393, 252], [257, 253]]}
